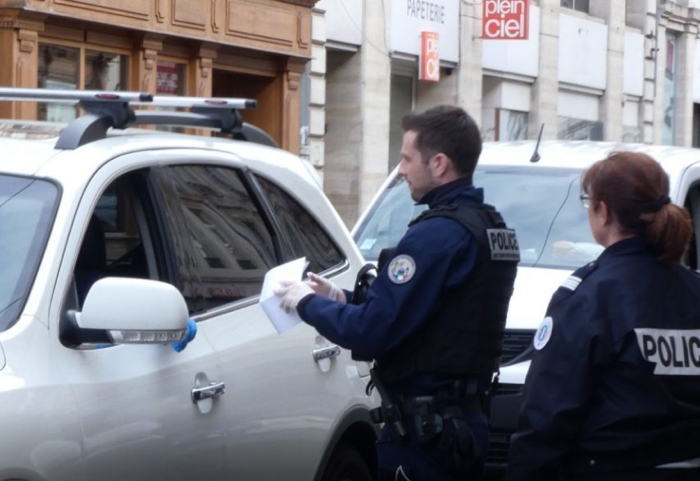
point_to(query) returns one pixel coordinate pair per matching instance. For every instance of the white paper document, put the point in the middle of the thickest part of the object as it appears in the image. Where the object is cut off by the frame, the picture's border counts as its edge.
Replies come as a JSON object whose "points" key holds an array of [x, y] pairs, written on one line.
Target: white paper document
{"points": [[270, 303]]}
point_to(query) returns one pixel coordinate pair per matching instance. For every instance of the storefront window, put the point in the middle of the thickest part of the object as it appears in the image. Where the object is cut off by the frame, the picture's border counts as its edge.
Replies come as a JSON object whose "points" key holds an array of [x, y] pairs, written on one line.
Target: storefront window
{"points": [[580, 5], [512, 125], [578, 129], [105, 71], [401, 104], [631, 134], [59, 68], [668, 129], [170, 78]]}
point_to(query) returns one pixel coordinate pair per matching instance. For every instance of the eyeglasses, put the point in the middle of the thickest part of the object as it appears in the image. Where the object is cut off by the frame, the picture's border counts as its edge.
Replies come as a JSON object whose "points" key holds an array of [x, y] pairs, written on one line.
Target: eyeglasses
{"points": [[585, 200]]}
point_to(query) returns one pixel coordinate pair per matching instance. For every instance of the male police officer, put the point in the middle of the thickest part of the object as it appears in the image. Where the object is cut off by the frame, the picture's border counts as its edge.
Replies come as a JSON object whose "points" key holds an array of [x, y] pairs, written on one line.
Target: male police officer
{"points": [[433, 319]]}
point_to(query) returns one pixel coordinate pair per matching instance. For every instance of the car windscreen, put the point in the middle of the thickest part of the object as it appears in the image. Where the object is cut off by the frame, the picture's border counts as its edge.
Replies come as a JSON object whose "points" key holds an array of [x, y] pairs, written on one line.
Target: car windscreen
{"points": [[27, 208], [541, 204]]}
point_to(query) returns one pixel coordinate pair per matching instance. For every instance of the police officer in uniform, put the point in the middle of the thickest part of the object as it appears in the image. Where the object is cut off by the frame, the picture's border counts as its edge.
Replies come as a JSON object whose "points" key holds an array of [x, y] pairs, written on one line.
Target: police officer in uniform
{"points": [[433, 318], [613, 392]]}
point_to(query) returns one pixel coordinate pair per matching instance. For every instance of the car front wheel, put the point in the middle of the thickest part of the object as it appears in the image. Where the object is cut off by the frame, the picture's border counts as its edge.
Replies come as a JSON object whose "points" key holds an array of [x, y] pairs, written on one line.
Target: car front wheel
{"points": [[347, 464]]}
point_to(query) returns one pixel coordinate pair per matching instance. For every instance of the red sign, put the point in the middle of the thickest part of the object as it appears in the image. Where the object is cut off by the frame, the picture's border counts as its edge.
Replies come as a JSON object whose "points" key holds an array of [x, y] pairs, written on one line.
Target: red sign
{"points": [[505, 19], [429, 57]]}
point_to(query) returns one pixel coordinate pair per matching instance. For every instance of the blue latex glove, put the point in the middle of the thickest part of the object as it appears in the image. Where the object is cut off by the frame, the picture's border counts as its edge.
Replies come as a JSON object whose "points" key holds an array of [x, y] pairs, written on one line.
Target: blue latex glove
{"points": [[189, 335]]}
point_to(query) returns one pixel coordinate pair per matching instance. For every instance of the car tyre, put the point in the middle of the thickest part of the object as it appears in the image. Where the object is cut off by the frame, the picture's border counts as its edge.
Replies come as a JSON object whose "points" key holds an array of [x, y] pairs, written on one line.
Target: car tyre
{"points": [[347, 464]]}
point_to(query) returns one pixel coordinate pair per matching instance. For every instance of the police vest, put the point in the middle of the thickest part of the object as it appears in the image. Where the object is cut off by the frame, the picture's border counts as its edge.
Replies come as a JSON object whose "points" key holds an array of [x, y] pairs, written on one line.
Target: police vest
{"points": [[464, 334]]}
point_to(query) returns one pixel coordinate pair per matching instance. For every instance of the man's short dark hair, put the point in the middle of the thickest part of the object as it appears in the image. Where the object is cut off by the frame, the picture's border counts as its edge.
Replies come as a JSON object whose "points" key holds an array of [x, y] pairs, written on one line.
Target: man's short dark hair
{"points": [[449, 130]]}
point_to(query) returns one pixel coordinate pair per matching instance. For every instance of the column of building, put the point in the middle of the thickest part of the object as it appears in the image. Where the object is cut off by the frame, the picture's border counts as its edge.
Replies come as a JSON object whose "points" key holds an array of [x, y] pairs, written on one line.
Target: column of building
{"points": [[470, 74], [375, 100], [314, 148], [613, 98], [358, 90], [19, 34], [546, 87], [687, 34]]}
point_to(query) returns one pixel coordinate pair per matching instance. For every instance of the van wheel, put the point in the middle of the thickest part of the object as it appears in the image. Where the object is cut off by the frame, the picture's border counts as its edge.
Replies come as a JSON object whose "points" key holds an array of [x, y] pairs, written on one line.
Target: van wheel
{"points": [[347, 464]]}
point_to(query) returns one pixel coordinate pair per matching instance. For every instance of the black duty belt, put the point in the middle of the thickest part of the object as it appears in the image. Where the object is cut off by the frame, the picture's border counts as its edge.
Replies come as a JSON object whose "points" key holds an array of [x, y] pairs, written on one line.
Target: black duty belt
{"points": [[411, 406]]}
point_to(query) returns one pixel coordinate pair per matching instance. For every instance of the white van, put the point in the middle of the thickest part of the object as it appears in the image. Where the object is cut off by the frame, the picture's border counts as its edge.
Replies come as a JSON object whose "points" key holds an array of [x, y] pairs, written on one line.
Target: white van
{"points": [[541, 201]]}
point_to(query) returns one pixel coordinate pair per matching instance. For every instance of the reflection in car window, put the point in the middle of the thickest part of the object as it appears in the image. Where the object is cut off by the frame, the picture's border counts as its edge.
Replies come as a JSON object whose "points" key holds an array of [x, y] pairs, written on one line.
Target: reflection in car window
{"points": [[27, 207], [230, 246], [305, 234], [113, 244], [541, 204]]}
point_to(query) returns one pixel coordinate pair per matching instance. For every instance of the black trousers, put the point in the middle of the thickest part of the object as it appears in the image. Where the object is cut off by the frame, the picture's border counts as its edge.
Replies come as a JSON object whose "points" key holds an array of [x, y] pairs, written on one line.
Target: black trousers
{"points": [[405, 459]]}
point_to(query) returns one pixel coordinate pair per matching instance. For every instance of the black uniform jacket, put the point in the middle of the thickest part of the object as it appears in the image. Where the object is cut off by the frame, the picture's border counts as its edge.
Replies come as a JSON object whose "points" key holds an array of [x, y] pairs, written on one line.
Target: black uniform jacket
{"points": [[615, 380]]}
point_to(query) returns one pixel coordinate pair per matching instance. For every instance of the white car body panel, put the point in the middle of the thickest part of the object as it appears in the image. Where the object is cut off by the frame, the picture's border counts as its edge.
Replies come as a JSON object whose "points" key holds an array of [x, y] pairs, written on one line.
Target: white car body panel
{"points": [[527, 305], [125, 412]]}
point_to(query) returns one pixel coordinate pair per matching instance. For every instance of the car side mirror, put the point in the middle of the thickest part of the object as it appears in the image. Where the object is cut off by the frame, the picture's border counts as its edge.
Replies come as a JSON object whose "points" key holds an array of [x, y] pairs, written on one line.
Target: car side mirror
{"points": [[121, 310]]}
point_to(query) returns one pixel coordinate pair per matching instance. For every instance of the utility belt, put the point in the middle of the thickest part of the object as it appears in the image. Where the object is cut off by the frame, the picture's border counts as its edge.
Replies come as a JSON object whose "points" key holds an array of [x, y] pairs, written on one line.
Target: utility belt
{"points": [[428, 415]]}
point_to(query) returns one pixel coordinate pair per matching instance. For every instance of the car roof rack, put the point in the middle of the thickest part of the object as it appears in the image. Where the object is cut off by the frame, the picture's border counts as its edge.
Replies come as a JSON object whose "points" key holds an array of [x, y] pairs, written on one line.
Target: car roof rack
{"points": [[114, 109]]}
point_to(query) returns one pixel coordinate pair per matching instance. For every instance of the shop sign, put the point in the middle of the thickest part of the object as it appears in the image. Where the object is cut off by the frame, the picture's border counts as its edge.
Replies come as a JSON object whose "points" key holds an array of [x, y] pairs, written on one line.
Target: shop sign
{"points": [[429, 57], [167, 80], [505, 19], [411, 17]]}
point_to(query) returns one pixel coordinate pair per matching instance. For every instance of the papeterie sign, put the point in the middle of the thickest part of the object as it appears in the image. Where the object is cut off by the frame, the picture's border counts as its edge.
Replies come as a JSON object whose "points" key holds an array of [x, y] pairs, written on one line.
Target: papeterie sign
{"points": [[505, 19], [409, 18]]}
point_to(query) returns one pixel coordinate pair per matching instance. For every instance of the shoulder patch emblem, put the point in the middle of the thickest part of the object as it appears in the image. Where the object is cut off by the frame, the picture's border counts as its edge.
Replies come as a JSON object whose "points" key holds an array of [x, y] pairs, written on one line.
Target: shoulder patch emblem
{"points": [[401, 269], [503, 244], [544, 332]]}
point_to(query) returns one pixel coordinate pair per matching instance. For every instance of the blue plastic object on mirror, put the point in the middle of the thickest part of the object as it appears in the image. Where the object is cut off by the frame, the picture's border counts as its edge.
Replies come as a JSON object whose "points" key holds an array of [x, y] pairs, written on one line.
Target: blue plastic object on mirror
{"points": [[190, 333]]}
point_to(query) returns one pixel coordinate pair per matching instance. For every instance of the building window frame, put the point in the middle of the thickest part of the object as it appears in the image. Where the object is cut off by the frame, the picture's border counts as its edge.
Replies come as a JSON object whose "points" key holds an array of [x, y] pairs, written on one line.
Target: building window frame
{"points": [[181, 62], [578, 5], [83, 48]]}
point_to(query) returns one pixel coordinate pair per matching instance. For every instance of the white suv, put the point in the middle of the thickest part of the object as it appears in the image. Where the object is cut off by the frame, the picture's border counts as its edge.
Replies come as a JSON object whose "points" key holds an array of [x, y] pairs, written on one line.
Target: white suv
{"points": [[541, 201], [94, 234]]}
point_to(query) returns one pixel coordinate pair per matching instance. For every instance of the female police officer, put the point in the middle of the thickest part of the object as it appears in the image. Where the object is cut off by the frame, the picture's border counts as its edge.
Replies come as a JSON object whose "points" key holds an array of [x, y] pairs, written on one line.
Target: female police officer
{"points": [[613, 391]]}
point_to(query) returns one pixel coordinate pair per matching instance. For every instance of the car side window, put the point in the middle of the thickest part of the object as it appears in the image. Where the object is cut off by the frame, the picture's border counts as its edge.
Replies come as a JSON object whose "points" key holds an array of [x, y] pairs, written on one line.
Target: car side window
{"points": [[305, 234], [222, 242], [117, 241]]}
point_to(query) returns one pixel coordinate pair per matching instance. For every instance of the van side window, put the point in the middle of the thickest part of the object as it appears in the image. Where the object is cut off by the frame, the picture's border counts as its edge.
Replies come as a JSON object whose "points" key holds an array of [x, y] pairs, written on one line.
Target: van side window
{"points": [[305, 234], [223, 245]]}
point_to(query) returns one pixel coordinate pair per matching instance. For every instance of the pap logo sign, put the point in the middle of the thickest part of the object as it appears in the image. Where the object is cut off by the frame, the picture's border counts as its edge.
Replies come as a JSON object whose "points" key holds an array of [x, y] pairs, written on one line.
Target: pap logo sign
{"points": [[506, 19], [429, 57]]}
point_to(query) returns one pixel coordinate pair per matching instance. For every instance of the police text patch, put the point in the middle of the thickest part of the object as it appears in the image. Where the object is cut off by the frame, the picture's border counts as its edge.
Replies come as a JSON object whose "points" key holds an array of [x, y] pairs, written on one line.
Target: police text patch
{"points": [[503, 244], [674, 351], [401, 269], [544, 332]]}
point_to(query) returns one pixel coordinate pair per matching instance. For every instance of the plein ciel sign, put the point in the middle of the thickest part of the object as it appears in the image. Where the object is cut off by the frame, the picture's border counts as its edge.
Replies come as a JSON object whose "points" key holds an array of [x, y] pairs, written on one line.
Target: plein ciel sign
{"points": [[505, 19]]}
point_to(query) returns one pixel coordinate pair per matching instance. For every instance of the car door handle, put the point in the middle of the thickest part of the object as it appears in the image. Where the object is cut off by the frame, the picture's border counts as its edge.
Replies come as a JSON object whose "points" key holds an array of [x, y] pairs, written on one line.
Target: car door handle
{"points": [[327, 352], [214, 389]]}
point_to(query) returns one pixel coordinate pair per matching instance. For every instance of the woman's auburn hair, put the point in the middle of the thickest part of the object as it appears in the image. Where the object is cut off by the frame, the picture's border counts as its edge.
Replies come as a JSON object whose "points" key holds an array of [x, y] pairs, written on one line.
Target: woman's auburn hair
{"points": [[635, 189]]}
